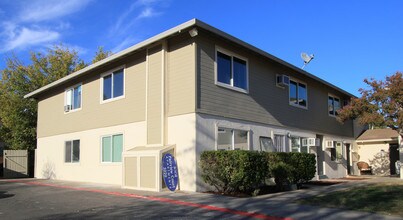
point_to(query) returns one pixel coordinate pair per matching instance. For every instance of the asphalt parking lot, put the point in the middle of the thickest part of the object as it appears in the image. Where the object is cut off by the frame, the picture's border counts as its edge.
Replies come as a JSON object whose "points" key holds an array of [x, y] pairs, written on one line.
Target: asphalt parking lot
{"points": [[27, 200]]}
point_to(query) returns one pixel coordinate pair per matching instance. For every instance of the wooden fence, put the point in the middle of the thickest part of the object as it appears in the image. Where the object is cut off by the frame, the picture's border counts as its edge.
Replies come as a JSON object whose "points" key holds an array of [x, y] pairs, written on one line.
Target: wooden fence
{"points": [[18, 163]]}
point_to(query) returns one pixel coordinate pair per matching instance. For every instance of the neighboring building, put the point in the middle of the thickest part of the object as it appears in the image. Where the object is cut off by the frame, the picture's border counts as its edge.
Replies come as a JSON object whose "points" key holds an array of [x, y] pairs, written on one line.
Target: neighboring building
{"points": [[187, 90], [379, 148]]}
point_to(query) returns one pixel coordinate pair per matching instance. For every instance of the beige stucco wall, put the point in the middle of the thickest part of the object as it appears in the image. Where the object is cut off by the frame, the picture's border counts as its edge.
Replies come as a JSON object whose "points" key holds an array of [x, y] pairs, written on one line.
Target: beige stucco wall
{"points": [[50, 155], [371, 153], [182, 133]]}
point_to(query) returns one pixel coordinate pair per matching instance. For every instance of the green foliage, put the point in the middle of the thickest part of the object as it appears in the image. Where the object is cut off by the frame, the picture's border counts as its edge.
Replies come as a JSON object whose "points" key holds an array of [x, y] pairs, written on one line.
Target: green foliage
{"points": [[101, 54], [381, 105], [18, 115], [233, 171], [245, 171]]}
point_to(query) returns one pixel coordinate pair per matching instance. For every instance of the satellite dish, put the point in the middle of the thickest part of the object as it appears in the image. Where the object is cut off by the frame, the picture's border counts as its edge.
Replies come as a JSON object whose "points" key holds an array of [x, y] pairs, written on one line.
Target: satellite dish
{"points": [[306, 58]]}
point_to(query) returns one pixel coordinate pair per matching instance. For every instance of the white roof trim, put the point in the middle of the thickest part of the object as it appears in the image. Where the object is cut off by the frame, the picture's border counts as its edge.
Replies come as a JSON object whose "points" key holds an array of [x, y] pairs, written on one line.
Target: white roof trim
{"points": [[170, 32]]}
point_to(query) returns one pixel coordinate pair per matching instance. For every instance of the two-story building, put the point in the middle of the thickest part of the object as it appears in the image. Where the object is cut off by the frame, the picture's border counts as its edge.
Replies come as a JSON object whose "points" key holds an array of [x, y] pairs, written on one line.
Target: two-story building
{"points": [[189, 89]]}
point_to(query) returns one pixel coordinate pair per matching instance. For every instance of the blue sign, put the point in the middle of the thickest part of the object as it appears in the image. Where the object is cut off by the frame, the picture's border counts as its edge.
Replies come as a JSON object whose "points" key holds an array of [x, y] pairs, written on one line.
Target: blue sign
{"points": [[170, 171]]}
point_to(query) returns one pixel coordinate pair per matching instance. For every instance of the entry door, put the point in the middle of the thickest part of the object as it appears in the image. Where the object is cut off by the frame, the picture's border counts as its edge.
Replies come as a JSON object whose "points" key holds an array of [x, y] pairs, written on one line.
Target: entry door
{"points": [[393, 157], [348, 159]]}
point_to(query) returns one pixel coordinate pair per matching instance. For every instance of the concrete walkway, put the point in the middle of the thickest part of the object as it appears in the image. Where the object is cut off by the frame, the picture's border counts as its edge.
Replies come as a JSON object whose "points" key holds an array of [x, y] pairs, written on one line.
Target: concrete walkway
{"points": [[271, 205]]}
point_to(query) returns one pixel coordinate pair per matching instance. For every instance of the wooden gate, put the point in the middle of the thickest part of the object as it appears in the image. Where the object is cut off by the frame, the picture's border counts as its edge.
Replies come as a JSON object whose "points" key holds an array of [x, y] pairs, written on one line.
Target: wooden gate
{"points": [[16, 163]]}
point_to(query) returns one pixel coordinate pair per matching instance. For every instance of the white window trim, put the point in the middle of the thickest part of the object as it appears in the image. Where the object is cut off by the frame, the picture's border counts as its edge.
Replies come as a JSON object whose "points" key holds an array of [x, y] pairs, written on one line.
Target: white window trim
{"points": [[333, 96], [65, 98], [233, 138], [289, 93], [71, 156], [231, 86], [284, 135], [101, 89], [123, 145]]}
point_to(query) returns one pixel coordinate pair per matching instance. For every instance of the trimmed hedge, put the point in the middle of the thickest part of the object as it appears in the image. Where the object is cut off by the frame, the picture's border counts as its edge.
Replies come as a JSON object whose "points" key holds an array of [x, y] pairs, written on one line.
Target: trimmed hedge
{"points": [[246, 171], [233, 171]]}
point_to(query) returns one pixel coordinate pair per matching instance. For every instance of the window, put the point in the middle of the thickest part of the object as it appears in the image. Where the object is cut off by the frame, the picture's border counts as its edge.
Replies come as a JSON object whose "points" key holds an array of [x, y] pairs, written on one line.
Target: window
{"points": [[112, 147], [298, 94], [113, 85], [72, 151], [279, 143], [231, 139], [296, 145], [266, 144], [333, 105], [232, 71], [72, 98], [337, 151]]}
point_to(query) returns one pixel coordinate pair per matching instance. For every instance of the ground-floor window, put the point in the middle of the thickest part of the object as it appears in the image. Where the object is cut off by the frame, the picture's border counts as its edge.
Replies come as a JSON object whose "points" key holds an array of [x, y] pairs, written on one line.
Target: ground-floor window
{"points": [[336, 153], [72, 151], [232, 139], [279, 143], [296, 145], [112, 147], [266, 144]]}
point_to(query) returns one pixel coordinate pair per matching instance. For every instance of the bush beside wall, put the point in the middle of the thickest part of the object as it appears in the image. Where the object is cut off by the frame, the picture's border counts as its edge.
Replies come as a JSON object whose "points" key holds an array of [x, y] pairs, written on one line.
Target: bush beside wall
{"points": [[246, 171]]}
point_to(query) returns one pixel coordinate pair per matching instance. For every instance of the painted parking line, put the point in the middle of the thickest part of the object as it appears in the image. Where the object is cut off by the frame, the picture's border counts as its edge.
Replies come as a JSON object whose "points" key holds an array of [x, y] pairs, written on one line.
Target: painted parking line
{"points": [[163, 200]]}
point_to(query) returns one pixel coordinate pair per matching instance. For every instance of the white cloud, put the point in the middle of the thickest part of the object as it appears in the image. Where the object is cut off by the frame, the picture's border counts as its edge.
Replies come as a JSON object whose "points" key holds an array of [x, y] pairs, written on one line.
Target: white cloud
{"points": [[146, 9], [42, 10], [127, 42], [29, 37], [147, 13]]}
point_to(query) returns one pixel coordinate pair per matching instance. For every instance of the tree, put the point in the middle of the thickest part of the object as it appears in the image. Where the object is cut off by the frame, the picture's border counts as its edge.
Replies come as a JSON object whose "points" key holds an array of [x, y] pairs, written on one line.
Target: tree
{"points": [[101, 54], [381, 105], [18, 115]]}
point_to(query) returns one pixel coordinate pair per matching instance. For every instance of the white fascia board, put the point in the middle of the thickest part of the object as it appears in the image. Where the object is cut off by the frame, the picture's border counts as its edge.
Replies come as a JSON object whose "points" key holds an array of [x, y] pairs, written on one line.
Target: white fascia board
{"points": [[118, 55]]}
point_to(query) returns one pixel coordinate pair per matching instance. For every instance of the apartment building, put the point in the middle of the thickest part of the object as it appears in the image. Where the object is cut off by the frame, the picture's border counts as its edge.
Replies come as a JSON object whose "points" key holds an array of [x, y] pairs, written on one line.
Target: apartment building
{"points": [[189, 89]]}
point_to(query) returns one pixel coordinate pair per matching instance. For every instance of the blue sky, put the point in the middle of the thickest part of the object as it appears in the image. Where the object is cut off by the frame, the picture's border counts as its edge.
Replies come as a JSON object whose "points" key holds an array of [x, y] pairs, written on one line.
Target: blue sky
{"points": [[351, 40]]}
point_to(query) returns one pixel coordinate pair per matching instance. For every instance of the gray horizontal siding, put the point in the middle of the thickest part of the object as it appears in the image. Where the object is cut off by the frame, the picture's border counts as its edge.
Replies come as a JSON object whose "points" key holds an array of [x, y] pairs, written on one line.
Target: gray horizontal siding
{"points": [[265, 103]]}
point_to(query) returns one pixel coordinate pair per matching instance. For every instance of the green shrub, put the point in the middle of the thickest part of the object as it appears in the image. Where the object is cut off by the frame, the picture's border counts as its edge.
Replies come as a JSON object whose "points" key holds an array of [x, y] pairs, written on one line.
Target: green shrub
{"points": [[246, 171], [302, 165], [234, 171], [282, 173]]}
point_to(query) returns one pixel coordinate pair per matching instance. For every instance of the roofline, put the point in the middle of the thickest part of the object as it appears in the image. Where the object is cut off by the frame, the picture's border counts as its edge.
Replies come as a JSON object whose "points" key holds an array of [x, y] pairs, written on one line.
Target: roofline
{"points": [[377, 140], [120, 54], [167, 33]]}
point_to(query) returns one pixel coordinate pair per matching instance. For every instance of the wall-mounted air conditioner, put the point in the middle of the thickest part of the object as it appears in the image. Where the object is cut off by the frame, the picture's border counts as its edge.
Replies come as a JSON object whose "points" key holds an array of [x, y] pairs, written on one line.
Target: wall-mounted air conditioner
{"points": [[67, 108], [283, 80], [329, 144], [313, 142]]}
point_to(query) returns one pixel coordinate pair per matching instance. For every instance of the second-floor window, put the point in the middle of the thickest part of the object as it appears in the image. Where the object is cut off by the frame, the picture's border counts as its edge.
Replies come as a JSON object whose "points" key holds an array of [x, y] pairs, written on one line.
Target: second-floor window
{"points": [[298, 94], [232, 71], [333, 105], [113, 85], [72, 98]]}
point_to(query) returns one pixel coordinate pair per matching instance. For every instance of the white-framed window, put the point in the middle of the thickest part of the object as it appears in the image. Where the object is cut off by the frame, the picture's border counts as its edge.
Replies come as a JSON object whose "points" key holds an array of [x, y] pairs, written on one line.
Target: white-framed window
{"points": [[232, 139], [112, 147], [279, 143], [231, 71], [297, 146], [298, 94], [266, 144], [336, 153], [72, 151], [333, 105], [113, 85], [72, 98]]}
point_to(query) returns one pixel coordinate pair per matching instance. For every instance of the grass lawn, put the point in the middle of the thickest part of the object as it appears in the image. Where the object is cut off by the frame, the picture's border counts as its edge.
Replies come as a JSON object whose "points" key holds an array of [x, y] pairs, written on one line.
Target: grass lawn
{"points": [[381, 198]]}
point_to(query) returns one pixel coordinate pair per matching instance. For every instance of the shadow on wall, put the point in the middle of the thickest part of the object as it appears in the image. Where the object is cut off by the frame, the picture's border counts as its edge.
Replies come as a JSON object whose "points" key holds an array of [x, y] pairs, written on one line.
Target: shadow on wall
{"points": [[380, 164], [49, 171]]}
